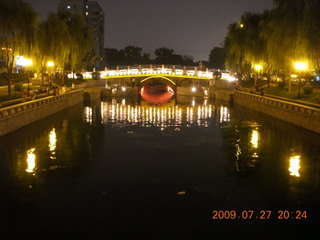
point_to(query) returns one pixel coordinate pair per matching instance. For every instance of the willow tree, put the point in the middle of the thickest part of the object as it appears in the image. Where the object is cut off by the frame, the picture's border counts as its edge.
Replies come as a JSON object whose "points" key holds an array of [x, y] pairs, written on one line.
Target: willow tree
{"points": [[81, 42], [53, 43], [244, 44], [282, 32], [17, 24], [309, 33]]}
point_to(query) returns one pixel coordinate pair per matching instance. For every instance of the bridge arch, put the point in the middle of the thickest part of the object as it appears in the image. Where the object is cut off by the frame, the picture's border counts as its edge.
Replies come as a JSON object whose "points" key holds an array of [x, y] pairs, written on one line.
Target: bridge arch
{"points": [[158, 76]]}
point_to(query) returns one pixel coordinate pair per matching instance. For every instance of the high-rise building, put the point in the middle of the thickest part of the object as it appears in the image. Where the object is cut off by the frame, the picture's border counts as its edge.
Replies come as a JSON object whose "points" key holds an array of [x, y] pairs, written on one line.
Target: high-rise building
{"points": [[95, 19], [93, 15]]}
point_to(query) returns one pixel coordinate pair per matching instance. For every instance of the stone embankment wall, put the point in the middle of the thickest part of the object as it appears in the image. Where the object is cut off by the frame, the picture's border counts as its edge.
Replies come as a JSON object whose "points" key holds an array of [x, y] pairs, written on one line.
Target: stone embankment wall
{"points": [[20, 115], [187, 91], [297, 114]]}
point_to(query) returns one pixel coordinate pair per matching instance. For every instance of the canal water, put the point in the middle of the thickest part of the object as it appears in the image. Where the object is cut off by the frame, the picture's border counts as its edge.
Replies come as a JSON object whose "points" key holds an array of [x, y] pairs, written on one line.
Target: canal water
{"points": [[192, 168]]}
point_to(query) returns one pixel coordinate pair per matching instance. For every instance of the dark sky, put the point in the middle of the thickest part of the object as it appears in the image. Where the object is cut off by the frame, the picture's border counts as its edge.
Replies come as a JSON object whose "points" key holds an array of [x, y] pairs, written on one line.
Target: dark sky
{"points": [[190, 27]]}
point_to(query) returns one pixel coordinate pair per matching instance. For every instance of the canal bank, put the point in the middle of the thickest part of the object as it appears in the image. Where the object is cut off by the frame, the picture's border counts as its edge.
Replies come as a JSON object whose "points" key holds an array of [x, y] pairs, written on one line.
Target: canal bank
{"points": [[20, 115], [300, 115]]}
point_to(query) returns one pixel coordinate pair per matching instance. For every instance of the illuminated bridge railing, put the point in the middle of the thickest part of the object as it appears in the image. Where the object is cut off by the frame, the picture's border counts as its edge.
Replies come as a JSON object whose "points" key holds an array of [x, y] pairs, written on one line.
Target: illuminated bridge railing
{"points": [[156, 71]]}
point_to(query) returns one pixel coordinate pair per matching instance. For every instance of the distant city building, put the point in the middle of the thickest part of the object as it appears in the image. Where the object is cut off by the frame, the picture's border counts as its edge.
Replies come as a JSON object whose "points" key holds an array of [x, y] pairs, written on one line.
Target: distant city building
{"points": [[93, 15], [95, 19]]}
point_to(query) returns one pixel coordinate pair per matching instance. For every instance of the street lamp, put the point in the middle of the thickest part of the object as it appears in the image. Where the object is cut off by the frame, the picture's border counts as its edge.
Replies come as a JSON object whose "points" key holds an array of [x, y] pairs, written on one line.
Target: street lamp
{"points": [[300, 67], [50, 65], [28, 63], [258, 69], [24, 62]]}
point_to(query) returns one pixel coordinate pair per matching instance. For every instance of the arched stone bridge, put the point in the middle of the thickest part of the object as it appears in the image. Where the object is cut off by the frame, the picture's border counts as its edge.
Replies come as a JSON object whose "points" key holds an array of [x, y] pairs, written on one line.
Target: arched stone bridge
{"points": [[145, 73]]}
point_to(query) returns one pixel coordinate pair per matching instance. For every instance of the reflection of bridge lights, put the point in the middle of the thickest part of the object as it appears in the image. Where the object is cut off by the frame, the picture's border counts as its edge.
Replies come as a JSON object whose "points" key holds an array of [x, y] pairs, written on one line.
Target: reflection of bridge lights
{"points": [[31, 161], [294, 166], [224, 114], [52, 143], [160, 116], [88, 114], [193, 102], [254, 138]]}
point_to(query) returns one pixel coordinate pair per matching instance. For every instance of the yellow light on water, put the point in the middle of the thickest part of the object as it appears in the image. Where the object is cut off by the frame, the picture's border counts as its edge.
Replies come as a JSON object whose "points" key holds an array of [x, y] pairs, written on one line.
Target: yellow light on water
{"points": [[53, 142], [294, 166], [31, 161], [255, 138]]}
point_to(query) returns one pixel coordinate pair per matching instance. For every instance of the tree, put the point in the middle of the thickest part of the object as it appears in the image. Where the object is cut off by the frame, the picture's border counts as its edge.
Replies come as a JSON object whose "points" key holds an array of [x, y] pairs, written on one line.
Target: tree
{"points": [[64, 39], [217, 58], [53, 43], [276, 38], [17, 24], [132, 55], [163, 55], [81, 42], [114, 57]]}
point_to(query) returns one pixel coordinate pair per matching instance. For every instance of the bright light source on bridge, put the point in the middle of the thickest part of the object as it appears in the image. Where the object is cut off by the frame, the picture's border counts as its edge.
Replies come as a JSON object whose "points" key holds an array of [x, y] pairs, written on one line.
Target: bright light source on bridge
{"points": [[206, 92], [123, 89], [193, 89]]}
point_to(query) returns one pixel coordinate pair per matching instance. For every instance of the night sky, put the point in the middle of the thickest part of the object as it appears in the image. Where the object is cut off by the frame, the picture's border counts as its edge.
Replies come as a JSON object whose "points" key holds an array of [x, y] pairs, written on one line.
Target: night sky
{"points": [[190, 27]]}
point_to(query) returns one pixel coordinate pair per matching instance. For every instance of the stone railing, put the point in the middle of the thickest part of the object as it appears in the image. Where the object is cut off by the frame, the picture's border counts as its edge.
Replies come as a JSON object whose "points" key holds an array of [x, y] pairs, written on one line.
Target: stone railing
{"points": [[300, 115], [17, 116]]}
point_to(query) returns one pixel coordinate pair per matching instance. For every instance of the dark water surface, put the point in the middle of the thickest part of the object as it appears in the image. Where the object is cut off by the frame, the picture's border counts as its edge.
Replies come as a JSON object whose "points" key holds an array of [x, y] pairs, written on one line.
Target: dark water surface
{"points": [[123, 169]]}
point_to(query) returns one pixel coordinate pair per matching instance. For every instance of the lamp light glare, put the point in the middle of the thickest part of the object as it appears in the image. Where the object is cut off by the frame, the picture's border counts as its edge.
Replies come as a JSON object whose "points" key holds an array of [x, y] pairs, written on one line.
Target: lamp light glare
{"points": [[300, 66], [50, 64], [258, 67]]}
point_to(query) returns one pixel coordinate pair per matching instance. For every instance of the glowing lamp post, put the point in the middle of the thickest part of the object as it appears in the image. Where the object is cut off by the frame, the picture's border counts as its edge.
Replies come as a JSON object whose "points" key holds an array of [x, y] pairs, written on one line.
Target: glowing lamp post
{"points": [[300, 67], [258, 69], [24, 62], [50, 65], [28, 63]]}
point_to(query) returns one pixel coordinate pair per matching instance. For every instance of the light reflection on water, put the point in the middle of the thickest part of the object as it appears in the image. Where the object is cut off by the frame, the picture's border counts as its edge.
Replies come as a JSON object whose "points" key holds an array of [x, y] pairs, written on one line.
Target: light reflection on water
{"points": [[52, 143], [248, 139], [294, 167], [31, 161], [161, 116], [75, 142]]}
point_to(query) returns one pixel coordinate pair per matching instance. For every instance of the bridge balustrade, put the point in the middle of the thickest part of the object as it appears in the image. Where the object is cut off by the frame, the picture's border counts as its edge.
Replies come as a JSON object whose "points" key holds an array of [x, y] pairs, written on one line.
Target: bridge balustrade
{"points": [[172, 71]]}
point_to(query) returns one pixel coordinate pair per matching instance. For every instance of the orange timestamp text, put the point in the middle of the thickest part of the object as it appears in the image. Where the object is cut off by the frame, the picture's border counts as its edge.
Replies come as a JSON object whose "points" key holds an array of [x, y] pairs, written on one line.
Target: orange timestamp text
{"points": [[260, 214]]}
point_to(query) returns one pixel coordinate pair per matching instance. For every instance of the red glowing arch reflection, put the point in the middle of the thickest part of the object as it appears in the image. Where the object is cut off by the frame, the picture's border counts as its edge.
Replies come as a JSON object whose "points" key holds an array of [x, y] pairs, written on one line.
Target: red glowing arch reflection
{"points": [[157, 94]]}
